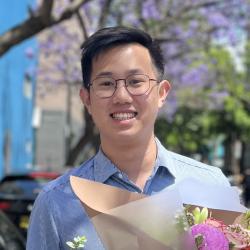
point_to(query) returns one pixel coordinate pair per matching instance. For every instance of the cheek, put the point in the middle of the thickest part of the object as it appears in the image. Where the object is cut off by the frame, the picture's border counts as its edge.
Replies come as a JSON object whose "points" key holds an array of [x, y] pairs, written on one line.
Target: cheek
{"points": [[149, 107], [98, 110], [97, 117], [153, 107]]}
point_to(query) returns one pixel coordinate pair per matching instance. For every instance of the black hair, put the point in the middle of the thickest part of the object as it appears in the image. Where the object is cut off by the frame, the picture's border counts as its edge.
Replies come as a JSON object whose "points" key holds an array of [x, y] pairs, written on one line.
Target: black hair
{"points": [[110, 37]]}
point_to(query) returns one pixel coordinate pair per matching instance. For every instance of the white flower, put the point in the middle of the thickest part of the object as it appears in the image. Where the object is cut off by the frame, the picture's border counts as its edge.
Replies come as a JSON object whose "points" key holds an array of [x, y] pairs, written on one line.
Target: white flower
{"points": [[77, 243]]}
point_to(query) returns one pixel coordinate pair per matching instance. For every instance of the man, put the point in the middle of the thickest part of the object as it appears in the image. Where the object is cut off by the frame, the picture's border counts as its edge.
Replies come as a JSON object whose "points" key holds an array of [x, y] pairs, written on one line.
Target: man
{"points": [[123, 90]]}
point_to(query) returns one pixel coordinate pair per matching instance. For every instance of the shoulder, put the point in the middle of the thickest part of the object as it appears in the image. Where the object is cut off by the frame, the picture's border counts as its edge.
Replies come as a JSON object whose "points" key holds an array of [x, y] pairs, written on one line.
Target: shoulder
{"points": [[192, 163], [58, 193], [57, 206], [184, 167], [62, 183], [201, 171]]}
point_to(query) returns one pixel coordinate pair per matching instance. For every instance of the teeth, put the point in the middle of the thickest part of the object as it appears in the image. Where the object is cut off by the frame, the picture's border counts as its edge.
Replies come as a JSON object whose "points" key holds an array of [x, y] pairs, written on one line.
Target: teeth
{"points": [[123, 116]]}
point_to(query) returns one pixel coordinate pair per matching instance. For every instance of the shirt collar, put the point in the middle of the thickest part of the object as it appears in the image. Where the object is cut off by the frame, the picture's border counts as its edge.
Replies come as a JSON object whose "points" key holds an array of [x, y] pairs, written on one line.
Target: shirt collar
{"points": [[103, 167], [164, 159]]}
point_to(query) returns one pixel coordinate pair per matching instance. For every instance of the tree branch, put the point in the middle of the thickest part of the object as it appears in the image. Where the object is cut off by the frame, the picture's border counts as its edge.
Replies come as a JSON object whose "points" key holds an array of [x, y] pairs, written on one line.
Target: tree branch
{"points": [[35, 24], [45, 11], [82, 25], [104, 13], [88, 136]]}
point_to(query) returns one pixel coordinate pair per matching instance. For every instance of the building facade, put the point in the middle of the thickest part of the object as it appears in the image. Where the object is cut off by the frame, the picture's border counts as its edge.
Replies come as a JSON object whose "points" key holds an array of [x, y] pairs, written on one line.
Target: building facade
{"points": [[17, 91]]}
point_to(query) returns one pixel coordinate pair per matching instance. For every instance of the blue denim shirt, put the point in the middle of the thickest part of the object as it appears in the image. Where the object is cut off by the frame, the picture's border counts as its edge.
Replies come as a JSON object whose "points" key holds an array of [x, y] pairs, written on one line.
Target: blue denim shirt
{"points": [[58, 216]]}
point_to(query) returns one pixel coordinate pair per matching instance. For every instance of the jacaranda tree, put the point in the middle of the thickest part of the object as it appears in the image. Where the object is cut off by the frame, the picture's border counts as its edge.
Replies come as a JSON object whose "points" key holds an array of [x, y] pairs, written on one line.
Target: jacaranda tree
{"points": [[191, 33]]}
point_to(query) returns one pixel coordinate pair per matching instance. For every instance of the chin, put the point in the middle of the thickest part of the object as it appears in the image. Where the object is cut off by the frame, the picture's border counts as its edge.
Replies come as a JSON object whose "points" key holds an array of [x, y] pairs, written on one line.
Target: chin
{"points": [[120, 136], [130, 136]]}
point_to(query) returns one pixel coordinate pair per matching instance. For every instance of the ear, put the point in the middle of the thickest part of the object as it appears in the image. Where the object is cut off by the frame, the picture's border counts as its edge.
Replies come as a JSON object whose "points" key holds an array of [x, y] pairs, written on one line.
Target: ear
{"points": [[164, 88], [85, 97]]}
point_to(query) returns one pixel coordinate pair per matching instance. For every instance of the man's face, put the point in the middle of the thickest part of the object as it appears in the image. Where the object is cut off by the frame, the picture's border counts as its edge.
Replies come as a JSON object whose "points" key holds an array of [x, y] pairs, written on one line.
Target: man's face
{"points": [[125, 117]]}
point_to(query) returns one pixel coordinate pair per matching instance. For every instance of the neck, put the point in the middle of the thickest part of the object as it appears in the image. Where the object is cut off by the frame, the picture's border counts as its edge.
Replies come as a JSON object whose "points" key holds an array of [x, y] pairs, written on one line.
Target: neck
{"points": [[134, 158]]}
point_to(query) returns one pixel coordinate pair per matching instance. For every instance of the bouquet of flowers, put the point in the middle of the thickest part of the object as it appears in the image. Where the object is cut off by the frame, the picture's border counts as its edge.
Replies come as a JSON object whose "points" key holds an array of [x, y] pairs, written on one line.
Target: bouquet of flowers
{"points": [[127, 220], [210, 233]]}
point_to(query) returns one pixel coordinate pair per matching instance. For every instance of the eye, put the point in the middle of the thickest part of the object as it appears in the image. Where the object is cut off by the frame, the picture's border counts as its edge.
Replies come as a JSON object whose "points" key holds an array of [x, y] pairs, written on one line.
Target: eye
{"points": [[136, 80], [104, 82]]}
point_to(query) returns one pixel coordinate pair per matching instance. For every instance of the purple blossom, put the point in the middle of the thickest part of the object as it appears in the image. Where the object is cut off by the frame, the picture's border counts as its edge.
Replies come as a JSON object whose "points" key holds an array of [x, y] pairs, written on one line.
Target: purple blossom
{"points": [[34, 7], [131, 18], [46, 78], [195, 76], [76, 76], [217, 19], [101, 3], [203, 11], [62, 48], [174, 68], [60, 7], [170, 108], [233, 37], [61, 66], [30, 72], [150, 11], [219, 95], [29, 52], [193, 24], [217, 99], [213, 238], [170, 49], [187, 29], [177, 31]]}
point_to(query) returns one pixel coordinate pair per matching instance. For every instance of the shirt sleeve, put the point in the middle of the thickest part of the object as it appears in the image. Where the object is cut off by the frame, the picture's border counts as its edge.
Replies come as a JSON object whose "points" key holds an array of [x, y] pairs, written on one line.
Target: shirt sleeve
{"points": [[42, 231]]}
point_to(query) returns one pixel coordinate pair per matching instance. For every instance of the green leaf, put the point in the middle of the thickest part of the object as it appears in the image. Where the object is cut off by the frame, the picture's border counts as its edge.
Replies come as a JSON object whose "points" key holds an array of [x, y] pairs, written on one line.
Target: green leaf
{"points": [[200, 215], [204, 214]]}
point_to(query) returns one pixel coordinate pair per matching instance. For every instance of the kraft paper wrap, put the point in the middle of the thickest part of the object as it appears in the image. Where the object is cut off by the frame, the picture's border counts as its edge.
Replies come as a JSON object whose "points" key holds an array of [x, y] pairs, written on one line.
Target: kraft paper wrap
{"points": [[126, 220], [131, 221]]}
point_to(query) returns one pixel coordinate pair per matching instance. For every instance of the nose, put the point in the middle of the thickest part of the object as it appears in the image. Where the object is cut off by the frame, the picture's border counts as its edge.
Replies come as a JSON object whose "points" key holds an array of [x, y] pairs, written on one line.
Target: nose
{"points": [[121, 94]]}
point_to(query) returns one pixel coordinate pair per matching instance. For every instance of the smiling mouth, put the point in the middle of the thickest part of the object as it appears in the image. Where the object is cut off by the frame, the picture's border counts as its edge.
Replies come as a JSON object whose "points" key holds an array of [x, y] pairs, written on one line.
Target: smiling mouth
{"points": [[123, 116]]}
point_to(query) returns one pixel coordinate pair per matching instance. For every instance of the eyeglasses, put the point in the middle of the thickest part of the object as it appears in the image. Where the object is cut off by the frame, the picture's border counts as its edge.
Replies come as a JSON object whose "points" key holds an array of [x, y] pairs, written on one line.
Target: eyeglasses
{"points": [[137, 84]]}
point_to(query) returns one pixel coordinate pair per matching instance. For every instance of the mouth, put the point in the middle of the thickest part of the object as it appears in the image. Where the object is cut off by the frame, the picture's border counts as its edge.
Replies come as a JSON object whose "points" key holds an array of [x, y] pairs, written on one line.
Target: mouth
{"points": [[121, 116]]}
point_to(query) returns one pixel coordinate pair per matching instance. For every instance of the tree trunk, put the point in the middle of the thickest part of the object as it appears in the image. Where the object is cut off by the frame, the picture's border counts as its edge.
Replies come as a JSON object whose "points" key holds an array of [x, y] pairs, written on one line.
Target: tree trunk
{"points": [[231, 159], [89, 135]]}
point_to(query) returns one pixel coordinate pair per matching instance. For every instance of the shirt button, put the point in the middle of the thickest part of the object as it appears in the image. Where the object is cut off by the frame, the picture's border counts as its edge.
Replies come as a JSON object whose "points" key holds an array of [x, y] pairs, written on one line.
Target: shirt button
{"points": [[120, 175]]}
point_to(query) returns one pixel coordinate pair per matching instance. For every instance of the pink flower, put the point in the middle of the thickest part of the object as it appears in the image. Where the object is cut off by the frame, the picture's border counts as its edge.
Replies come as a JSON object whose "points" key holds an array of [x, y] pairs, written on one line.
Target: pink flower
{"points": [[239, 236], [211, 237], [215, 223]]}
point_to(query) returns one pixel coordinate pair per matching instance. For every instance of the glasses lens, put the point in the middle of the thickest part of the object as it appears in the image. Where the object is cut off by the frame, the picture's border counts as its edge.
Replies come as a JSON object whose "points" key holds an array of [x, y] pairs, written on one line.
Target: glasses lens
{"points": [[137, 84], [104, 86]]}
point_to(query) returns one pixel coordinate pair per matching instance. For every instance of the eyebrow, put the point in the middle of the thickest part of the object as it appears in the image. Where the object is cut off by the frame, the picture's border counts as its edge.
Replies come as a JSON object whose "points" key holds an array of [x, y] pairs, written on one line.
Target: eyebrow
{"points": [[104, 73], [128, 72]]}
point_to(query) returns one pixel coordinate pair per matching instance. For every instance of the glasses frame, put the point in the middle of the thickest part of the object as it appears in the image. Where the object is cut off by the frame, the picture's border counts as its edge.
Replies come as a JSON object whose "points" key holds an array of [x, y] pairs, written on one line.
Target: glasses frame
{"points": [[125, 84]]}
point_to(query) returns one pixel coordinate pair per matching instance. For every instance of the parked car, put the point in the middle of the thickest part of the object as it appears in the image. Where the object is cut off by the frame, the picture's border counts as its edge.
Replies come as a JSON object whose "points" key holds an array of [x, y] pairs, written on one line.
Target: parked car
{"points": [[10, 237], [18, 193]]}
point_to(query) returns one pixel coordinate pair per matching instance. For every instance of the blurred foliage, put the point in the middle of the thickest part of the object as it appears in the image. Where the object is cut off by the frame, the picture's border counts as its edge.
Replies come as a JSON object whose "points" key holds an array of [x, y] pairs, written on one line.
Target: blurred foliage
{"points": [[187, 133], [235, 113], [193, 124]]}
